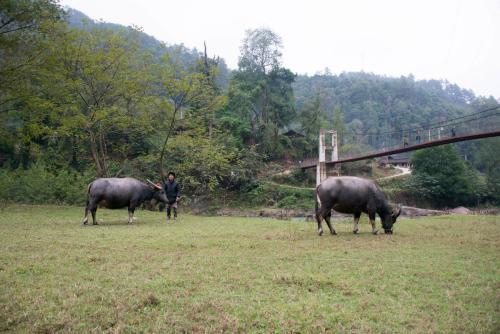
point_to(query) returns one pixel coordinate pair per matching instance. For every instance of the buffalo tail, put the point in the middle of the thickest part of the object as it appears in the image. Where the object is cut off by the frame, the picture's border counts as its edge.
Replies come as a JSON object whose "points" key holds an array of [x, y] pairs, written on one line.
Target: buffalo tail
{"points": [[317, 201]]}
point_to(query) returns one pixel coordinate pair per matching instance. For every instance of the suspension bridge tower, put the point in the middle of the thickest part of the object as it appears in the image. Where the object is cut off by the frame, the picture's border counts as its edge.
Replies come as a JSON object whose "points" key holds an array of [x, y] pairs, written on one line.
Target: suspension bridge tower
{"points": [[327, 143]]}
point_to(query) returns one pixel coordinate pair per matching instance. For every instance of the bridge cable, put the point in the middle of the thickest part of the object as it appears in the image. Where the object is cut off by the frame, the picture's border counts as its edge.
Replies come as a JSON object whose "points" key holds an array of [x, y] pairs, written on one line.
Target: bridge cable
{"points": [[433, 126]]}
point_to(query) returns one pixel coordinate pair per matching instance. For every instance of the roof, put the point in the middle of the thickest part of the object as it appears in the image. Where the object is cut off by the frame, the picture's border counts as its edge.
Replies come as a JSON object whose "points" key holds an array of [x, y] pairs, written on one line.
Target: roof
{"points": [[397, 158], [293, 133], [292, 130]]}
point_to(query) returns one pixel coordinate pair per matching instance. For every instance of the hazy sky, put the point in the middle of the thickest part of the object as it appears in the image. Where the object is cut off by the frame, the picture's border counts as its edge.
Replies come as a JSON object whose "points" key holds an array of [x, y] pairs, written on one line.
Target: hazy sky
{"points": [[457, 40]]}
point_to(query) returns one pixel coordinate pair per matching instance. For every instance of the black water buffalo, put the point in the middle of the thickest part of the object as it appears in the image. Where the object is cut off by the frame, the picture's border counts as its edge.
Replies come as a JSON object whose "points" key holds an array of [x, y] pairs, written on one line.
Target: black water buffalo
{"points": [[348, 194], [116, 193]]}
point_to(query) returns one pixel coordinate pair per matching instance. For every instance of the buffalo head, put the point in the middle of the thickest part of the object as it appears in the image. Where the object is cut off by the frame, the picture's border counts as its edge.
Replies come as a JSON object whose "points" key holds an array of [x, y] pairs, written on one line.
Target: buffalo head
{"points": [[390, 220], [158, 192]]}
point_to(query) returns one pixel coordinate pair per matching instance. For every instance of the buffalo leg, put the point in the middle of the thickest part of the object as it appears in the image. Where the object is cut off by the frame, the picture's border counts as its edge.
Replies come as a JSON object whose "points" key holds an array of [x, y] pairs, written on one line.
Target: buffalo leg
{"points": [[93, 211], [87, 207], [328, 216], [86, 218], [92, 207], [319, 218], [131, 215], [324, 213], [355, 229], [372, 222]]}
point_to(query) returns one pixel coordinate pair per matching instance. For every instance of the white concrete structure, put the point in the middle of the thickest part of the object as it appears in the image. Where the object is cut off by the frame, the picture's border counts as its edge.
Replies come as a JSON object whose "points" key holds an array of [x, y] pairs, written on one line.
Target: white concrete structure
{"points": [[323, 147]]}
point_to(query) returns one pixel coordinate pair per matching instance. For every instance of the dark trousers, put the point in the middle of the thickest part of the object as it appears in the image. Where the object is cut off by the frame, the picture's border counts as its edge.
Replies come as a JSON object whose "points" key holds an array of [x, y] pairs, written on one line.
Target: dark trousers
{"points": [[172, 206]]}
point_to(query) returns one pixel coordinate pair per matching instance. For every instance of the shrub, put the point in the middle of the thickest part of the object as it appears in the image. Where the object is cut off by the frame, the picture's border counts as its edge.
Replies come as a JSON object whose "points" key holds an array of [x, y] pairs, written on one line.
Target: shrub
{"points": [[36, 185], [288, 202], [441, 176], [268, 194]]}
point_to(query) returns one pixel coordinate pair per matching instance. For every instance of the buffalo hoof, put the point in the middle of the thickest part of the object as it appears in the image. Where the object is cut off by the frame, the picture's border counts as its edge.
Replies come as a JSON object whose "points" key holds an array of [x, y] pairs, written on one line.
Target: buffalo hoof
{"points": [[355, 231], [84, 223], [375, 232], [388, 231], [333, 232], [320, 232], [95, 223]]}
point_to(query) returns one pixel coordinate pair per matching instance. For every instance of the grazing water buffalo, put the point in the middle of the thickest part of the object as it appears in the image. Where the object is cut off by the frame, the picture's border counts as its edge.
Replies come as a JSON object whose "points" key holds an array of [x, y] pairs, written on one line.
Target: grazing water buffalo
{"points": [[116, 193], [348, 194]]}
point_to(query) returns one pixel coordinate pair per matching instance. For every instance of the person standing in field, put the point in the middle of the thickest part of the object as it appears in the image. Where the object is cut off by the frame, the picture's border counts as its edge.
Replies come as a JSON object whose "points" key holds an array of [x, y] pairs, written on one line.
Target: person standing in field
{"points": [[173, 193]]}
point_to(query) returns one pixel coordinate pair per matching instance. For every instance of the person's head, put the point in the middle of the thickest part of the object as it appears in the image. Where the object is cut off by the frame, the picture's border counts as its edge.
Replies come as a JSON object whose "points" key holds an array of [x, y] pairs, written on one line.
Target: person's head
{"points": [[171, 176]]}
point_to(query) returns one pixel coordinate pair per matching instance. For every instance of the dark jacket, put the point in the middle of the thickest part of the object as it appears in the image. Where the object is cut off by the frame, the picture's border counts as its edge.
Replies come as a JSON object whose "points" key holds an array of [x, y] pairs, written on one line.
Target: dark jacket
{"points": [[171, 190]]}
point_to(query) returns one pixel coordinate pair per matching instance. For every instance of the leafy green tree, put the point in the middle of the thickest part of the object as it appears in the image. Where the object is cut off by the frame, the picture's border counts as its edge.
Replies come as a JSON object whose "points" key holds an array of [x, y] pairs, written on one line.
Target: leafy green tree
{"points": [[339, 125], [97, 95], [236, 117], [189, 99], [441, 176], [311, 118], [26, 29], [261, 94], [261, 51], [487, 160], [384, 104], [93, 98], [200, 162]]}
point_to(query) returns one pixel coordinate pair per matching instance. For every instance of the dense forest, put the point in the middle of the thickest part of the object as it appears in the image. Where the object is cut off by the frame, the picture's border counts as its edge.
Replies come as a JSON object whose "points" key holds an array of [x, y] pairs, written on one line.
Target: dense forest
{"points": [[81, 99]]}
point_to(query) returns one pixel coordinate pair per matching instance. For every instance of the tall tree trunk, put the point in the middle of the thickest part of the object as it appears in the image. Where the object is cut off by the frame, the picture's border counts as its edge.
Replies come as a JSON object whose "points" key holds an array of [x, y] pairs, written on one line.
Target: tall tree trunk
{"points": [[103, 151], [95, 154], [253, 137], [162, 154], [210, 126]]}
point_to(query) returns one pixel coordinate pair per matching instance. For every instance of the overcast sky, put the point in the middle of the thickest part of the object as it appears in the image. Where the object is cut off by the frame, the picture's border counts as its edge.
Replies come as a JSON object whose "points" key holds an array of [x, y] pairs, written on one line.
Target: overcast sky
{"points": [[457, 40]]}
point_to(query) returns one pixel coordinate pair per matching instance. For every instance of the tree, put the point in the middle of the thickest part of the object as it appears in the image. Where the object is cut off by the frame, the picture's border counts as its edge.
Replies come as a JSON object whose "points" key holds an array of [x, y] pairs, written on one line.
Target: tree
{"points": [[261, 94], [339, 125], [176, 90], [311, 121], [487, 160], [441, 176], [261, 51], [385, 104], [189, 96], [97, 94], [279, 112], [26, 29]]}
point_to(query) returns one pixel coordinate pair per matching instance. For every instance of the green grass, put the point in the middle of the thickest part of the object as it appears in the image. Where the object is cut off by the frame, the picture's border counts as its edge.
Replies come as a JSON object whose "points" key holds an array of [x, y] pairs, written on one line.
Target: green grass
{"points": [[213, 274]]}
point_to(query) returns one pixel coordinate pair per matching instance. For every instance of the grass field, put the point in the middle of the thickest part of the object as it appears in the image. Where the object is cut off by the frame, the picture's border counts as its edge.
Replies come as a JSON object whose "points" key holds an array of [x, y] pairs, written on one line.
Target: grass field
{"points": [[213, 274]]}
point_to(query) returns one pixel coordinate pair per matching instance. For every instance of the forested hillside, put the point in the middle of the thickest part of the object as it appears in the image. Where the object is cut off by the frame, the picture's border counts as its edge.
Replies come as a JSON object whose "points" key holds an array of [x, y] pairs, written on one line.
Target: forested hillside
{"points": [[80, 99], [187, 56], [377, 103]]}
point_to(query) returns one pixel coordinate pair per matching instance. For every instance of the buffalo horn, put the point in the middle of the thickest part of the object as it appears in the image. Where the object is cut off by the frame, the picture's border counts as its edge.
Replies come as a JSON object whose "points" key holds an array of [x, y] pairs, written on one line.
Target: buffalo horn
{"points": [[154, 185]]}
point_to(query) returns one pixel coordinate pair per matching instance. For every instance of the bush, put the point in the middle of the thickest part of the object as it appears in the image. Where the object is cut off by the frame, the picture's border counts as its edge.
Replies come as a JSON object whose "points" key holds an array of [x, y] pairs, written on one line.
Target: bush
{"points": [[36, 185], [297, 177], [442, 177], [288, 202], [272, 195]]}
